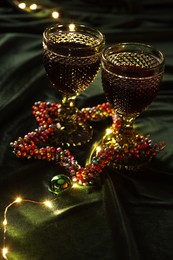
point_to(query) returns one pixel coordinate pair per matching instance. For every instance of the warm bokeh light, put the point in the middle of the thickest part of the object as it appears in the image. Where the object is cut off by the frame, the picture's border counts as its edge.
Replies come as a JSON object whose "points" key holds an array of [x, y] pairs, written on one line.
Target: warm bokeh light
{"points": [[22, 5], [108, 131], [39, 8], [72, 27], [18, 200], [98, 149], [33, 6], [75, 185], [55, 14], [48, 204], [4, 252], [5, 222]]}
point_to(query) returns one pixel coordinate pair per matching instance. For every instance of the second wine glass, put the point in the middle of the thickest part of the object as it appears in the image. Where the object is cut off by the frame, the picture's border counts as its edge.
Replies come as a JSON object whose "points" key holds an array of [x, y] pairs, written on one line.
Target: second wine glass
{"points": [[71, 59], [131, 77]]}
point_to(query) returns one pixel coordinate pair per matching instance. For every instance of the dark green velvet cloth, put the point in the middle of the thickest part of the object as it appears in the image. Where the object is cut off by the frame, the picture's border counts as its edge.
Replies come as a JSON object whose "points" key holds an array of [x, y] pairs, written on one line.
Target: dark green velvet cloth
{"points": [[127, 216]]}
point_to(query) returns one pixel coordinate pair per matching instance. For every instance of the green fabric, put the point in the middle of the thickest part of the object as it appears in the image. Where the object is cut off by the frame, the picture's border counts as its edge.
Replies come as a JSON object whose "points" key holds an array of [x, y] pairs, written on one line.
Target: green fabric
{"points": [[125, 217]]}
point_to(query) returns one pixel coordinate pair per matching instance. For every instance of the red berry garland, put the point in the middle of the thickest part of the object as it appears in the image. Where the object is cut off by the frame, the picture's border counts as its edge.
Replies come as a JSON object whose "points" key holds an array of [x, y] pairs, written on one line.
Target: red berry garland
{"points": [[28, 146], [45, 113]]}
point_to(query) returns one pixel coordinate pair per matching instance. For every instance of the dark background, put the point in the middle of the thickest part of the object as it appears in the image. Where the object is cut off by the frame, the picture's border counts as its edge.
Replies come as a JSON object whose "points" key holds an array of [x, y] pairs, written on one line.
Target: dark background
{"points": [[130, 216]]}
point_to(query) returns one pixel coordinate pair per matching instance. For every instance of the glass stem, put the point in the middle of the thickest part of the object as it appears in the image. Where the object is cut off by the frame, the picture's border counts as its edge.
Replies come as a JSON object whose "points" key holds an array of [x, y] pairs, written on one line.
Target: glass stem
{"points": [[68, 106], [68, 102], [123, 128]]}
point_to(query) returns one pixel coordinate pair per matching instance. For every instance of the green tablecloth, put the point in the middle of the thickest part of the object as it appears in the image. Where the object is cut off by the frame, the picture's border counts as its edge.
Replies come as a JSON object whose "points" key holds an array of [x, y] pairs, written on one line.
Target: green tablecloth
{"points": [[130, 216]]}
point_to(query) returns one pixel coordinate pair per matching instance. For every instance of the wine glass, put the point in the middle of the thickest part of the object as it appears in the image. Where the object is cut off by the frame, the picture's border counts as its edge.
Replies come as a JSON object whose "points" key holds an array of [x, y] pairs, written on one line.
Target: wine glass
{"points": [[131, 77], [71, 57]]}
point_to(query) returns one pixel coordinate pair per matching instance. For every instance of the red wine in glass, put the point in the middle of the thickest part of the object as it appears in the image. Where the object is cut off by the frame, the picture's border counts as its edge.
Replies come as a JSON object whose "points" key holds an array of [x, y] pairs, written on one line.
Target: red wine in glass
{"points": [[71, 57], [133, 83], [131, 77]]}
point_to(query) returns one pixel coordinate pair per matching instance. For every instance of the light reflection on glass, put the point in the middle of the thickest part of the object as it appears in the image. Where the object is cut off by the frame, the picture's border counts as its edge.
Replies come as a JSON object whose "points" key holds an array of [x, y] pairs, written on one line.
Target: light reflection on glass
{"points": [[72, 27]]}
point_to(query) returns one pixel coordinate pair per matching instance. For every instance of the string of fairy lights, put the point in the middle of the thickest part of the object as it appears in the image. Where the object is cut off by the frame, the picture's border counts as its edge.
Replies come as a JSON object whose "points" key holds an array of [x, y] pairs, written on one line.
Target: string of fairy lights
{"points": [[29, 7], [35, 7], [27, 147], [49, 204], [100, 111], [18, 200]]}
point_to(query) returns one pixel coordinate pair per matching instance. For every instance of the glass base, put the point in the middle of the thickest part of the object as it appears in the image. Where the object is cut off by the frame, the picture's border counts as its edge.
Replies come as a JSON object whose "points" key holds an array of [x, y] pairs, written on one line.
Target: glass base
{"points": [[69, 130], [71, 133], [128, 152]]}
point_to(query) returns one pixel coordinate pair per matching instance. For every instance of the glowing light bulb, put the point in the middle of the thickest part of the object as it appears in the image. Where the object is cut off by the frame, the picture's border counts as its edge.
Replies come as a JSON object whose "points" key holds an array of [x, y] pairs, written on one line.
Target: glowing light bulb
{"points": [[22, 5], [72, 27], [33, 7], [55, 14], [98, 149], [108, 131], [5, 222], [48, 204], [74, 185], [18, 200], [4, 252]]}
